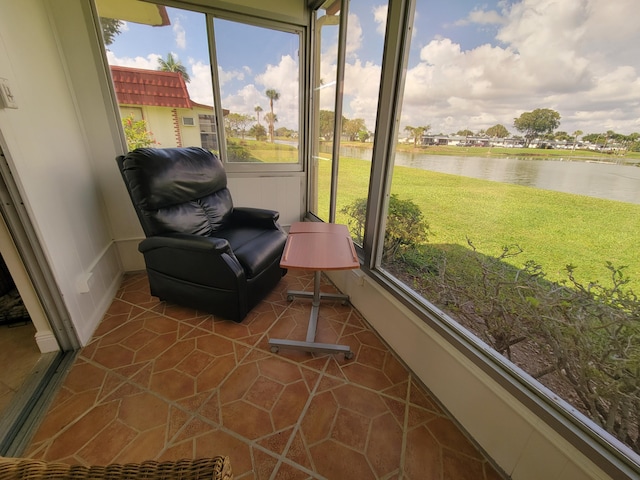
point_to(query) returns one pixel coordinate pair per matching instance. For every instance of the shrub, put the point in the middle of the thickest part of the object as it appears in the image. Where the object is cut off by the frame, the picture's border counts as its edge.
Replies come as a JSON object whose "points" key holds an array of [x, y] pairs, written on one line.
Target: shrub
{"points": [[136, 133], [586, 335], [237, 152], [406, 227]]}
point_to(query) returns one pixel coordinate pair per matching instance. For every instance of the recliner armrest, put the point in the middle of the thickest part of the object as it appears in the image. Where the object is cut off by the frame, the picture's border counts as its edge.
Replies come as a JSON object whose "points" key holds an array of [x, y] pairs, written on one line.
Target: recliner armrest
{"points": [[186, 242], [255, 217]]}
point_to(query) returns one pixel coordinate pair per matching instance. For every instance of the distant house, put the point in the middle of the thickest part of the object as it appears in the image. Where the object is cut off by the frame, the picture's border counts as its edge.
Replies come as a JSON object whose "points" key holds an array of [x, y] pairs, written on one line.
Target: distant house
{"points": [[162, 100]]}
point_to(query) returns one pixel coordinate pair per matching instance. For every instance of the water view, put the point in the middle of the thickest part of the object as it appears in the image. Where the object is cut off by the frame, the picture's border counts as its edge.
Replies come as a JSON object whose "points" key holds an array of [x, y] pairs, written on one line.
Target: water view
{"points": [[592, 178]]}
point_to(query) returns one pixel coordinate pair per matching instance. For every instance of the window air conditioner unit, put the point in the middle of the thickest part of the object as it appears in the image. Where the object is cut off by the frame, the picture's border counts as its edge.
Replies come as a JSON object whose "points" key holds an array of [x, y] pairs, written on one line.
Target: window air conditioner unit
{"points": [[188, 121]]}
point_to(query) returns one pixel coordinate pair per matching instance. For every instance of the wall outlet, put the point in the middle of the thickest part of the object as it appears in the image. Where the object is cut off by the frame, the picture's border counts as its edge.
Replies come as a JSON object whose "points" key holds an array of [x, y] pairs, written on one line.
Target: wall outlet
{"points": [[8, 100]]}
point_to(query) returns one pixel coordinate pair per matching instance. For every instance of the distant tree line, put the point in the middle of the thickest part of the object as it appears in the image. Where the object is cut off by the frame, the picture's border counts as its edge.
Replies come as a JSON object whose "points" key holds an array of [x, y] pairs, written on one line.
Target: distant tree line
{"points": [[542, 123]]}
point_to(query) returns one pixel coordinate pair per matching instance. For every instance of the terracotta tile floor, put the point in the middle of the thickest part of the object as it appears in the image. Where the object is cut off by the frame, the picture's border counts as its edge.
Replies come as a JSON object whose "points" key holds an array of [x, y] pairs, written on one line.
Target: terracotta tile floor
{"points": [[159, 381]]}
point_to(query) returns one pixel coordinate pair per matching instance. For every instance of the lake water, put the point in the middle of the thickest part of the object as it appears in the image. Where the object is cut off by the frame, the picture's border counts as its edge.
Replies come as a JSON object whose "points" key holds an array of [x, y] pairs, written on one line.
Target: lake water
{"points": [[594, 179]]}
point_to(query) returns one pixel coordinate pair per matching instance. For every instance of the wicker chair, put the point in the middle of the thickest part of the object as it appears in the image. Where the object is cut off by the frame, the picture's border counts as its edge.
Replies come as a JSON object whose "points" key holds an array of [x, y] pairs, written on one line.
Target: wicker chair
{"points": [[216, 468]]}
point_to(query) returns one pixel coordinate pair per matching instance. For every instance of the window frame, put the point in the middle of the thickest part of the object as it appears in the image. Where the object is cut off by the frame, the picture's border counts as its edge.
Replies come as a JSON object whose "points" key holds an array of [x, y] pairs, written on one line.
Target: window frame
{"points": [[210, 13], [250, 167]]}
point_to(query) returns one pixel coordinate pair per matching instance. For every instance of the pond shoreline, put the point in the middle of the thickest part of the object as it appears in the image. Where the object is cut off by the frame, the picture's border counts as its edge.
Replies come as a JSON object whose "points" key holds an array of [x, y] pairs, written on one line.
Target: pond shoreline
{"points": [[630, 158], [589, 176]]}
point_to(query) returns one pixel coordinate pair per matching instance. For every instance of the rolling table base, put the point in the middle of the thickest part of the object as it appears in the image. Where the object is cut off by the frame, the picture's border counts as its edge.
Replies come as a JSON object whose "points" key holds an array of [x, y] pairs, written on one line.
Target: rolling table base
{"points": [[310, 345]]}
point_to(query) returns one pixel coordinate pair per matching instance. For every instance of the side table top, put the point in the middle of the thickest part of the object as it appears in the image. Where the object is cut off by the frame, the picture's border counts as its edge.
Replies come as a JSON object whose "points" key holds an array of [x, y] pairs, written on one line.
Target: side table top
{"points": [[319, 227], [319, 248]]}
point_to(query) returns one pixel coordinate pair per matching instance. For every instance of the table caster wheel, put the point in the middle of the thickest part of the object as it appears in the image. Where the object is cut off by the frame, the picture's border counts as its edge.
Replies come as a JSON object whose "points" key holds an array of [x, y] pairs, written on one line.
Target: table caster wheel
{"points": [[275, 349], [348, 355], [289, 298]]}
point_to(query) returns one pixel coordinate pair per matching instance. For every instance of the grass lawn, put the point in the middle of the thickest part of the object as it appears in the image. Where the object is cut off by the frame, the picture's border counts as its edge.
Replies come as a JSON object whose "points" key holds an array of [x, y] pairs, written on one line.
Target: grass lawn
{"points": [[628, 157], [553, 228], [265, 151]]}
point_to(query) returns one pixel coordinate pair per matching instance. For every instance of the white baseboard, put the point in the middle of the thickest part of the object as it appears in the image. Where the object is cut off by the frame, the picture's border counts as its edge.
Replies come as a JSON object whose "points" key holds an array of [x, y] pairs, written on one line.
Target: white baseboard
{"points": [[47, 342]]}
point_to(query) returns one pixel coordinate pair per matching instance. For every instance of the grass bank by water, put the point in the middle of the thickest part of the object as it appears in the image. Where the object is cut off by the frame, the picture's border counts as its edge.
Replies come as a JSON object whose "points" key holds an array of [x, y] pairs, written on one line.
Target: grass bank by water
{"points": [[551, 154], [553, 228]]}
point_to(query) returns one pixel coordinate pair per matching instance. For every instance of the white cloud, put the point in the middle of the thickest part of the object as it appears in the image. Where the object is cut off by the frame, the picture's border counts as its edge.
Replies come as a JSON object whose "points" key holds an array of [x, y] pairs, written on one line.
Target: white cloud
{"points": [[380, 17], [200, 87], [579, 57], [150, 62], [354, 35], [245, 100], [284, 78], [180, 34], [361, 85], [576, 57], [481, 17], [225, 77]]}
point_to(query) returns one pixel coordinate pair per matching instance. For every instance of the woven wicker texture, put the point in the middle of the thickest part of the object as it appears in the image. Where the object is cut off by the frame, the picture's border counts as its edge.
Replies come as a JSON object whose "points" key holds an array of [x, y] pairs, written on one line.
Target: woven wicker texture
{"points": [[216, 468]]}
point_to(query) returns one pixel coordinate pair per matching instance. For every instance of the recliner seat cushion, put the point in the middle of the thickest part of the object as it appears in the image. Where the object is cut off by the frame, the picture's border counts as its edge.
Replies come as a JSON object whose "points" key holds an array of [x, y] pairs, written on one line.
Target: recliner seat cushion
{"points": [[254, 248]]}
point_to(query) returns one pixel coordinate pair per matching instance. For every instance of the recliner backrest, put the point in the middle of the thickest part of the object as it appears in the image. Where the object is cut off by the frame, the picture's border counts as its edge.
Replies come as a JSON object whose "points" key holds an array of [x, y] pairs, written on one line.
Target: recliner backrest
{"points": [[180, 190]]}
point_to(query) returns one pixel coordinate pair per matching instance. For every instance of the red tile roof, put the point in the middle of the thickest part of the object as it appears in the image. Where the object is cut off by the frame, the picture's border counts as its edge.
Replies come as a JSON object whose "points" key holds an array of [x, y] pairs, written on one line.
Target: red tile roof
{"points": [[135, 86]]}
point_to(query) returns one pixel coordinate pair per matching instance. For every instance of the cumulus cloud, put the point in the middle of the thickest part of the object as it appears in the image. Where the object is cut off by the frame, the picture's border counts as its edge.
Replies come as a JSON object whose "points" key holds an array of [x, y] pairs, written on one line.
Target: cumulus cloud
{"points": [[361, 85], [284, 78], [481, 17], [380, 17], [244, 101], [227, 76], [200, 87], [575, 57], [578, 57], [354, 35], [150, 62], [180, 34]]}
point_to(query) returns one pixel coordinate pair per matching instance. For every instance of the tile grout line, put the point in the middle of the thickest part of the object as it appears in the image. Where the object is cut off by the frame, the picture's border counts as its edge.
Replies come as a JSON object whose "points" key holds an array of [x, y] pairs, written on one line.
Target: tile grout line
{"points": [[282, 456], [405, 428]]}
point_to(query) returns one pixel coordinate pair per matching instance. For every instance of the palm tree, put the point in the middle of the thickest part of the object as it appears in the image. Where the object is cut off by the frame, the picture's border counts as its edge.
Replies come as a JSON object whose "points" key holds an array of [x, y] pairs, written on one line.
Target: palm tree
{"points": [[173, 65], [273, 95], [576, 134], [271, 119], [417, 132], [258, 109]]}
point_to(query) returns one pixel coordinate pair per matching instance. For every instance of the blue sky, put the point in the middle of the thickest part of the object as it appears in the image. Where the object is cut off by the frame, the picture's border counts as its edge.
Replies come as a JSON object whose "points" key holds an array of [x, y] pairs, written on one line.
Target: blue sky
{"points": [[471, 65]]}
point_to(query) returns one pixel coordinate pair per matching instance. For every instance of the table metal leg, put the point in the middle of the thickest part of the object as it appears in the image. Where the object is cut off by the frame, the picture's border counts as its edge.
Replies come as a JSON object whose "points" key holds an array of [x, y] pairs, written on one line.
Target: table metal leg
{"points": [[310, 345]]}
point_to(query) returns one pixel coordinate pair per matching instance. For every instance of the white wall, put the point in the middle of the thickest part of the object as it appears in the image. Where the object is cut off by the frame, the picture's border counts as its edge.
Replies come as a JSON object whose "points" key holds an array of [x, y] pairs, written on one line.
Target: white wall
{"points": [[51, 163], [283, 194]]}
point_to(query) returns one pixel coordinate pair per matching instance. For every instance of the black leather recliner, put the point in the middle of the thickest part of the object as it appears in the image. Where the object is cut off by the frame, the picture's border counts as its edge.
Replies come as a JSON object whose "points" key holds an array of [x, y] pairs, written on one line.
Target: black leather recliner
{"points": [[199, 250]]}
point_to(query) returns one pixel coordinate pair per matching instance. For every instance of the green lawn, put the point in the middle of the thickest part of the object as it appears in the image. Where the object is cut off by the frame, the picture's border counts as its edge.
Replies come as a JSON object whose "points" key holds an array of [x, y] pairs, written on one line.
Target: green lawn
{"points": [[266, 152], [628, 157], [554, 229]]}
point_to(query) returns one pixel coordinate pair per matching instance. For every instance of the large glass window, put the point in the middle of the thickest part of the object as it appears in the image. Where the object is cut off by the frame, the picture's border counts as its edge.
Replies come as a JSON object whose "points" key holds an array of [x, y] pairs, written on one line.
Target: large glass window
{"points": [[363, 60], [514, 204], [258, 72], [160, 60], [347, 154], [326, 36]]}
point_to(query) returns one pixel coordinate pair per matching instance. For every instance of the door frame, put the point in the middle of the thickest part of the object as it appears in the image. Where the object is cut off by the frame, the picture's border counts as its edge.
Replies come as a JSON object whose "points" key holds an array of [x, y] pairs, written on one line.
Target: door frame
{"points": [[42, 286]]}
